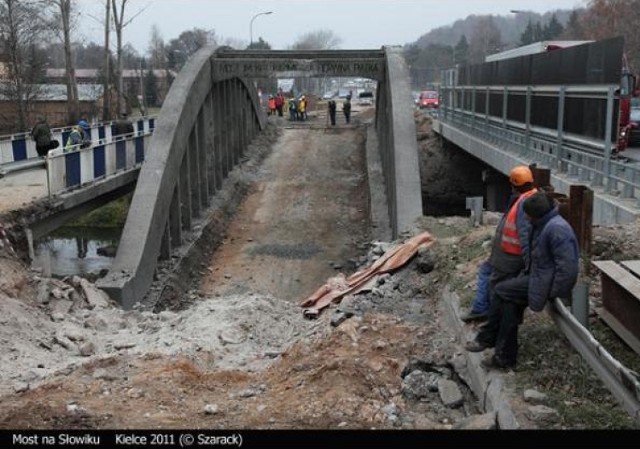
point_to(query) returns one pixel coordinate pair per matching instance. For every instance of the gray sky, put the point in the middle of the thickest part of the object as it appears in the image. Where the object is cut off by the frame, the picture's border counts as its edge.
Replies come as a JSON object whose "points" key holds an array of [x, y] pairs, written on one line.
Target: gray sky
{"points": [[361, 24]]}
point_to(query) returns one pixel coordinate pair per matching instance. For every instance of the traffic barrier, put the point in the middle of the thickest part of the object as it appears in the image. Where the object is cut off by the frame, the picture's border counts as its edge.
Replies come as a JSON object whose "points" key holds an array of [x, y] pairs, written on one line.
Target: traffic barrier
{"points": [[79, 167]]}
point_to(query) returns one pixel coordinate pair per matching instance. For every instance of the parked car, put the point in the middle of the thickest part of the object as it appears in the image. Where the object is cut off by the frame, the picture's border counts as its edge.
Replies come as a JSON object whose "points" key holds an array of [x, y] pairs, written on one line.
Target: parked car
{"points": [[365, 98], [328, 95], [428, 99]]}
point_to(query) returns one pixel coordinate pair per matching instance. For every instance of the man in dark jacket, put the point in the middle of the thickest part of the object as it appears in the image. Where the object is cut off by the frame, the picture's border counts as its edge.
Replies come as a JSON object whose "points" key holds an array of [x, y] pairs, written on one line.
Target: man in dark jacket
{"points": [[123, 127], [346, 109], [551, 271], [332, 112], [41, 134]]}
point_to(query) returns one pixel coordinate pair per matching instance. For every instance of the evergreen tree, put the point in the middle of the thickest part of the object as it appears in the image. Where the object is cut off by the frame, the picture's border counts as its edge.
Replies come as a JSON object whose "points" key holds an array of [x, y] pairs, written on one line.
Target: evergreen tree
{"points": [[538, 33], [151, 88], [461, 51], [553, 29], [526, 37], [259, 45]]}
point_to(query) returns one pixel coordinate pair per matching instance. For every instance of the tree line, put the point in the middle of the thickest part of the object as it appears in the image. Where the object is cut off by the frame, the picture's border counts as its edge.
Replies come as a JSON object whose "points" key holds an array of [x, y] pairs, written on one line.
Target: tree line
{"points": [[40, 34], [471, 40]]}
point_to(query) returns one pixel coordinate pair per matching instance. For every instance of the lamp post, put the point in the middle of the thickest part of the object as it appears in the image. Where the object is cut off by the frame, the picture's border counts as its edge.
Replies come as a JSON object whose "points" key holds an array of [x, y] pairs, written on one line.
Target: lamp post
{"points": [[251, 24]]}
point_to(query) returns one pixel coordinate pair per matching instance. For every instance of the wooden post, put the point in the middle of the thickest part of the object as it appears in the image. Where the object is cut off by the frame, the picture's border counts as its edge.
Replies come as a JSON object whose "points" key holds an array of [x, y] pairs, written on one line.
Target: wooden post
{"points": [[541, 177], [581, 215]]}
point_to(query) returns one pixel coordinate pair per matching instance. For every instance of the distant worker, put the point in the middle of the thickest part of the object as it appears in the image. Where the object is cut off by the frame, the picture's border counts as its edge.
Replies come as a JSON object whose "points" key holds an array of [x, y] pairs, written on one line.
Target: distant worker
{"points": [[272, 105], [302, 108], [80, 136], [279, 103], [123, 126], [346, 109], [332, 112], [41, 134], [293, 110]]}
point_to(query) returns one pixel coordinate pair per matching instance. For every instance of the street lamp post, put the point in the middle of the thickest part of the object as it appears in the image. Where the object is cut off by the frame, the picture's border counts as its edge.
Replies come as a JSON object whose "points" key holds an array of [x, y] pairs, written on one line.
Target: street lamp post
{"points": [[251, 24]]}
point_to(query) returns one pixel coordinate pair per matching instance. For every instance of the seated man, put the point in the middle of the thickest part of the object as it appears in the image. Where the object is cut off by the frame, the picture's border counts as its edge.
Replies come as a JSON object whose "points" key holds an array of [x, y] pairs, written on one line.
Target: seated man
{"points": [[79, 135], [551, 272]]}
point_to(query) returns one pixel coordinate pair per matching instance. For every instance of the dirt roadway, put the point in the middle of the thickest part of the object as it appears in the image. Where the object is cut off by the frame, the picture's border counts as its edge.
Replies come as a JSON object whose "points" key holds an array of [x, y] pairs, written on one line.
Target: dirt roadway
{"points": [[304, 217]]}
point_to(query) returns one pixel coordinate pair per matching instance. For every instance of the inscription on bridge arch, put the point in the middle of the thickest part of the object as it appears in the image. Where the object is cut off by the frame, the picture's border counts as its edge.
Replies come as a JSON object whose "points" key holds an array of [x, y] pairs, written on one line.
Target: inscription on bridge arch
{"points": [[368, 68]]}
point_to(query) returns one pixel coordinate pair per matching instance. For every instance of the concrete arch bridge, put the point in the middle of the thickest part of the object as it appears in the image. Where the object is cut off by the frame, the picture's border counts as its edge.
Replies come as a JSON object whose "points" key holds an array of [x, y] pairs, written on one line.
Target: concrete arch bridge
{"points": [[211, 115]]}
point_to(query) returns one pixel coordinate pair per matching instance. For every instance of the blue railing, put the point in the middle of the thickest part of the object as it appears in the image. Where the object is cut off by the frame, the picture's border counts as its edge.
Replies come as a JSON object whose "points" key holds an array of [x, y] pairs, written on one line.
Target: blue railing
{"points": [[80, 167], [20, 146]]}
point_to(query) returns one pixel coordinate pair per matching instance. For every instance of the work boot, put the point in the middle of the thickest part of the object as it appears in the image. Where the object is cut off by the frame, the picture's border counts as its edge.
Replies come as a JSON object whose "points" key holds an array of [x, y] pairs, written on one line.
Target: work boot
{"points": [[475, 346], [474, 316], [496, 362]]}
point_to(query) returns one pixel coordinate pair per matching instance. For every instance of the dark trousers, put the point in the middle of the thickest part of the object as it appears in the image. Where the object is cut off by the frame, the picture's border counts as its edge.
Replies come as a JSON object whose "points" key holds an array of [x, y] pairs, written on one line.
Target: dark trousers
{"points": [[43, 150], [332, 116], [505, 316]]}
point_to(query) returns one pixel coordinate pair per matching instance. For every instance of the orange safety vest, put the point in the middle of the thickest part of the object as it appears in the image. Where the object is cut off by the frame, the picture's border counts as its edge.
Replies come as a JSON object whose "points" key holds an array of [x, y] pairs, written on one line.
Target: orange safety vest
{"points": [[510, 243]]}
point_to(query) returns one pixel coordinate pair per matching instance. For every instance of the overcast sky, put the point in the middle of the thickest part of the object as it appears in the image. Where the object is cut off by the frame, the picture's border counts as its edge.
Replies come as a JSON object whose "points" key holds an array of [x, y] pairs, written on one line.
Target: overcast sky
{"points": [[360, 24]]}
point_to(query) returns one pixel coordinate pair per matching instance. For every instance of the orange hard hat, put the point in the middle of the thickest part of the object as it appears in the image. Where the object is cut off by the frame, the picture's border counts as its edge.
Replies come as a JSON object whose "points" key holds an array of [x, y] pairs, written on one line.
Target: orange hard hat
{"points": [[520, 176]]}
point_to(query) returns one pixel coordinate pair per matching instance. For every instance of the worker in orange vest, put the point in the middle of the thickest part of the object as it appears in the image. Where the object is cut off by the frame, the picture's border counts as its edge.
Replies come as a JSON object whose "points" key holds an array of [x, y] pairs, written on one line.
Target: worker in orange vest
{"points": [[510, 247]]}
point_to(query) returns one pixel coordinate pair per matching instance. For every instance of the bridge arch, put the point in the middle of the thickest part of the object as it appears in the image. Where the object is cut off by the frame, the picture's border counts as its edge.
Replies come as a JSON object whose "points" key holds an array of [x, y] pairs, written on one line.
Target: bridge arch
{"points": [[208, 119]]}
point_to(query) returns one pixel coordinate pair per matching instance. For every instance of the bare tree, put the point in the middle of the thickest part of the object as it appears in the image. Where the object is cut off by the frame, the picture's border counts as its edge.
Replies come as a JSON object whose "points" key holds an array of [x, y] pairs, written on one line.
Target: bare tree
{"points": [[22, 27], [317, 40], [157, 51], [65, 9], [609, 18], [187, 43], [485, 40], [120, 23], [106, 83]]}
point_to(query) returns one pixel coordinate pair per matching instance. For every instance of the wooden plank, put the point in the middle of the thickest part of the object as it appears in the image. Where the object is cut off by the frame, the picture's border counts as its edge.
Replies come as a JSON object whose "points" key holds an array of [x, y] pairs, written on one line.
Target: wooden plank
{"points": [[619, 329], [617, 273], [633, 266]]}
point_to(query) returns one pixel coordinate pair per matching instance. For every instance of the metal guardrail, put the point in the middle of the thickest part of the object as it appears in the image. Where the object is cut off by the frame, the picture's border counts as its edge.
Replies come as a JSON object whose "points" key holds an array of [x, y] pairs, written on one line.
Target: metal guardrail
{"points": [[621, 381], [20, 146], [590, 160], [80, 167]]}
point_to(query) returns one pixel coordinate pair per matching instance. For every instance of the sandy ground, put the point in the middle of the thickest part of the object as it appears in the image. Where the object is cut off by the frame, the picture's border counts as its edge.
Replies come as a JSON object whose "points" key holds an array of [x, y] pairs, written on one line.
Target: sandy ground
{"points": [[20, 188]]}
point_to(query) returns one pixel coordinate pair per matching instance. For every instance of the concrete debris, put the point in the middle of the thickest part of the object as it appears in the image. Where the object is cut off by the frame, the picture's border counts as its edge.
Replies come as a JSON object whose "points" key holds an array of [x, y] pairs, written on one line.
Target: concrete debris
{"points": [[542, 414], [534, 396], [450, 393], [486, 421], [417, 385], [211, 409]]}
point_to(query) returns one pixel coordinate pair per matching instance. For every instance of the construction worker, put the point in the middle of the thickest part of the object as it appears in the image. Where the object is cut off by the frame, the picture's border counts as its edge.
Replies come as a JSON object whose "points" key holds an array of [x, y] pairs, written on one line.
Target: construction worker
{"points": [[80, 136], [123, 126], [510, 245], [550, 272]]}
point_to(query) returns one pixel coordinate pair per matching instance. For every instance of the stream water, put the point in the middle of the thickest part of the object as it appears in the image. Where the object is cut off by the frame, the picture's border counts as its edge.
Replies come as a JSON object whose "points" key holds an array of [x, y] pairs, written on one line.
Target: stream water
{"points": [[76, 250]]}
